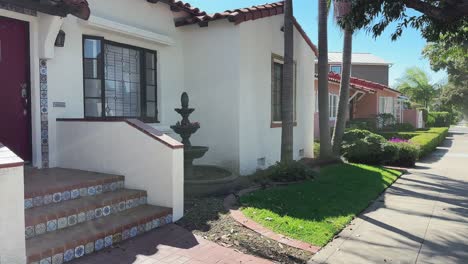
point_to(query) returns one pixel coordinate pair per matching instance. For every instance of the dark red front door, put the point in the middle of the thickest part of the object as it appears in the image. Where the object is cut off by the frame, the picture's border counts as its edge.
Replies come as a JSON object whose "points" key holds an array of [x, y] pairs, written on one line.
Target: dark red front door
{"points": [[15, 117]]}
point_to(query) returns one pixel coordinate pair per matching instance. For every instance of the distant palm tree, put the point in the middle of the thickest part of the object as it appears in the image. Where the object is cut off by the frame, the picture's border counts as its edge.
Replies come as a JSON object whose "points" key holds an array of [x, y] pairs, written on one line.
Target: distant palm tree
{"points": [[287, 91], [323, 104], [342, 8], [415, 84]]}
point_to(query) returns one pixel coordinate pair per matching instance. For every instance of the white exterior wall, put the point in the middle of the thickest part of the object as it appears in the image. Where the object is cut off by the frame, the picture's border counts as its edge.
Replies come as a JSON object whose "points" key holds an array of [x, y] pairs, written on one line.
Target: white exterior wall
{"points": [[65, 70], [212, 81], [228, 78], [118, 148], [12, 242], [259, 40]]}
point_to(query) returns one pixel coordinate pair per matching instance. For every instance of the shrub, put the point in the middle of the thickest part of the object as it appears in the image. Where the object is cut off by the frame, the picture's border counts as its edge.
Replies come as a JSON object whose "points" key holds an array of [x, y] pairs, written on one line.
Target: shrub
{"points": [[429, 140], [404, 127], [439, 119], [361, 146], [385, 121], [402, 135], [408, 154], [290, 172], [362, 123], [355, 134], [391, 152]]}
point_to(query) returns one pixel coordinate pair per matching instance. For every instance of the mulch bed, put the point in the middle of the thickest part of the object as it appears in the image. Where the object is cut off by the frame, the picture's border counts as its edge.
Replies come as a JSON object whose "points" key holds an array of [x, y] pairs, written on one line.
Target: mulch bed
{"points": [[208, 218]]}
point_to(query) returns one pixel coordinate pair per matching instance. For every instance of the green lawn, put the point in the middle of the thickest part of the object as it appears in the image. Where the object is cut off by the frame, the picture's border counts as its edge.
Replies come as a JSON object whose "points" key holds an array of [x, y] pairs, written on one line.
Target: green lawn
{"points": [[316, 210]]}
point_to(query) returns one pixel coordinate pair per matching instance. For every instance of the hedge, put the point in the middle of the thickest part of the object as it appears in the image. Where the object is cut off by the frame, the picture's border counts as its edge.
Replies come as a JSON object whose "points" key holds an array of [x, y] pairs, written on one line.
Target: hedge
{"points": [[439, 119], [429, 140], [402, 135]]}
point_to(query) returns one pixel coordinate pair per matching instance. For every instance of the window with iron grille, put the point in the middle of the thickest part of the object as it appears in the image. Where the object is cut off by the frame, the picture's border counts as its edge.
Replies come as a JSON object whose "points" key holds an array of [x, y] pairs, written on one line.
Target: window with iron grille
{"points": [[119, 80]]}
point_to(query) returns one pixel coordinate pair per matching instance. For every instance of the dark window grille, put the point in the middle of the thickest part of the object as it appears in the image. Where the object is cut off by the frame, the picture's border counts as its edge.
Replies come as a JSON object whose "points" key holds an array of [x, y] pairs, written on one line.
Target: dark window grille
{"points": [[277, 84], [276, 93], [121, 76]]}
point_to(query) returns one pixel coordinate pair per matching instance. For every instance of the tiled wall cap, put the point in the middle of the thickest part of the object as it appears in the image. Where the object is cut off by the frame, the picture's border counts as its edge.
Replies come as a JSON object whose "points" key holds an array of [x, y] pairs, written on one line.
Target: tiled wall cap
{"points": [[8, 159]]}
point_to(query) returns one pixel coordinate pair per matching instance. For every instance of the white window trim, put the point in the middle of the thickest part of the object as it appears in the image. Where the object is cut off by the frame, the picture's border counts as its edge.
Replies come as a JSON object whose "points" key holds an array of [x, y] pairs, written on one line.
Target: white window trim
{"points": [[333, 98], [383, 107]]}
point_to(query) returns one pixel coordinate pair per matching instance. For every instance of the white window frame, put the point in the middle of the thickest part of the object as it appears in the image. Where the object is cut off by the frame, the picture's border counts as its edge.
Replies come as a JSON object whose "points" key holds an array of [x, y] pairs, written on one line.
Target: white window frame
{"points": [[341, 69], [387, 105], [333, 106]]}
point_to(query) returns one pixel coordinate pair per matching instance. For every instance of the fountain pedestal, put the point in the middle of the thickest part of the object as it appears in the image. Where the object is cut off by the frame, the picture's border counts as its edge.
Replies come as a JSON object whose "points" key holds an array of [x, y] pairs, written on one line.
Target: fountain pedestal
{"points": [[185, 129], [200, 180]]}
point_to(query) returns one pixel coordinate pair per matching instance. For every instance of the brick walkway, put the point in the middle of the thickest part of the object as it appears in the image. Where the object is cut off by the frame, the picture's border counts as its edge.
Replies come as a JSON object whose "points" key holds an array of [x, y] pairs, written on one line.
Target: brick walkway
{"points": [[169, 245]]}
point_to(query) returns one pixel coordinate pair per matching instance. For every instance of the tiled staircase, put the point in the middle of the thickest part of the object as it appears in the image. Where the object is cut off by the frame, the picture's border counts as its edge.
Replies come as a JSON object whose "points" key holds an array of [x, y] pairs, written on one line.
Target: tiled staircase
{"points": [[71, 213]]}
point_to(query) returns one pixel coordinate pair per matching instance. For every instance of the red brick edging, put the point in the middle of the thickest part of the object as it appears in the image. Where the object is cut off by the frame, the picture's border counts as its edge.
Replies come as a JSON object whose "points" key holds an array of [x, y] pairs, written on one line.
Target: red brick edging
{"points": [[237, 214]]}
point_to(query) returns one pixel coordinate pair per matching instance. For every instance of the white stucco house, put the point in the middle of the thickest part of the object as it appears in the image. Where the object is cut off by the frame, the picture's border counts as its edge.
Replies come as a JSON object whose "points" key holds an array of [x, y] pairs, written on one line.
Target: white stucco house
{"points": [[92, 86]]}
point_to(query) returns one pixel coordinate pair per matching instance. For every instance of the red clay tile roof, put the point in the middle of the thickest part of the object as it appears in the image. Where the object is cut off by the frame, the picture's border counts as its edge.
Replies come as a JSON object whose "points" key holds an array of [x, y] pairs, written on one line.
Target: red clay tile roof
{"points": [[361, 83], [240, 15], [182, 6]]}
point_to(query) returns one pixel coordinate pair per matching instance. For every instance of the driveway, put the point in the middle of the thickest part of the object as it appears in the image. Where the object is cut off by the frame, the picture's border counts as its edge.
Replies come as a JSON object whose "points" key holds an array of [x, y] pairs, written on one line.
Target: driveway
{"points": [[422, 218]]}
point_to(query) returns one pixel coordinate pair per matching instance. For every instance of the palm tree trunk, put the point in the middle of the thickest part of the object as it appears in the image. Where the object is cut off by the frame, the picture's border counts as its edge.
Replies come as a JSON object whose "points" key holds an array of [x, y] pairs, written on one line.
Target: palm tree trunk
{"points": [[343, 106], [325, 142], [287, 91]]}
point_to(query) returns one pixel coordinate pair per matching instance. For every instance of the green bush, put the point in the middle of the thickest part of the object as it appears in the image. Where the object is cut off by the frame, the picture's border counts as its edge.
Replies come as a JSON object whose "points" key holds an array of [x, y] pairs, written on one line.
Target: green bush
{"points": [[404, 127], [402, 135], [362, 146], [289, 172], [391, 152], [408, 154], [429, 140], [385, 121], [355, 134], [362, 123], [439, 119]]}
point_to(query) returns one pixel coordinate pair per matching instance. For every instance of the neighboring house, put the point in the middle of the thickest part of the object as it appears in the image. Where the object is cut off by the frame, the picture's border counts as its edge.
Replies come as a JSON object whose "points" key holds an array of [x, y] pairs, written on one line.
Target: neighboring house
{"points": [[367, 100], [365, 66], [92, 92]]}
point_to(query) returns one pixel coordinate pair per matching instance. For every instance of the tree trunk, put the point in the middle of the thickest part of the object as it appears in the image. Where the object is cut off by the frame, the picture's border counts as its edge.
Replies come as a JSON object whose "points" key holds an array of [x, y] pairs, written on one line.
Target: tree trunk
{"points": [[343, 106], [325, 142], [287, 91]]}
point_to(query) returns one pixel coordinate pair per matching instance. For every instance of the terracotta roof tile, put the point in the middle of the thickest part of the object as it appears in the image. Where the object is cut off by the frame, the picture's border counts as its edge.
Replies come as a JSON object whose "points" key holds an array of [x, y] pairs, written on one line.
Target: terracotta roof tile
{"points": [[240, 15], [181, 5], [361, 83]]}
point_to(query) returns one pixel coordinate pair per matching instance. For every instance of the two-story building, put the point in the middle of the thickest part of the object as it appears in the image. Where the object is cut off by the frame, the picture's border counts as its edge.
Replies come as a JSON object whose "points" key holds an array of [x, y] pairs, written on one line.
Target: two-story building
{"points": [[370, 93]]}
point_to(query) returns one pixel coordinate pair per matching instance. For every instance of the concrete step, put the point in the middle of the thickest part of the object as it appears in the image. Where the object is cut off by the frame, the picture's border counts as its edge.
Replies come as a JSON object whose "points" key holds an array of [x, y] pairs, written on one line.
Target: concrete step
{"points": [[48, 186], [87, 237], [52, 217]]}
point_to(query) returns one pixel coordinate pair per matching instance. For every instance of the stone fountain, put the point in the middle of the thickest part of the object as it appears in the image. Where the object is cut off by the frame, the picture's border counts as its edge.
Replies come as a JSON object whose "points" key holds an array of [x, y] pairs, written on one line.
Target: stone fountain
{"points": [[200, 180], [185, 129]]}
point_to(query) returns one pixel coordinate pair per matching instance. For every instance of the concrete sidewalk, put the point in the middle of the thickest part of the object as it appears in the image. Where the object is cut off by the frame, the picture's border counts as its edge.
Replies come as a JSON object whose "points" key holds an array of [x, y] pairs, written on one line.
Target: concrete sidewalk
{"points": [[422, 218]]}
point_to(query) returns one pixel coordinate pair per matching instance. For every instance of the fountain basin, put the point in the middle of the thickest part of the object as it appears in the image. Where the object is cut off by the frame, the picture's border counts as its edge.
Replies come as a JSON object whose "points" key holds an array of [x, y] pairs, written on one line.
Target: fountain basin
{"points": [[194, 152], [209, 180]]}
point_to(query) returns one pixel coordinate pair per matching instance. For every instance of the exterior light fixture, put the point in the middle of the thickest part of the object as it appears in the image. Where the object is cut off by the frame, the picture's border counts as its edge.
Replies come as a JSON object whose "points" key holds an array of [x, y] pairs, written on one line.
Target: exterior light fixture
{"points": [[60, 40]]}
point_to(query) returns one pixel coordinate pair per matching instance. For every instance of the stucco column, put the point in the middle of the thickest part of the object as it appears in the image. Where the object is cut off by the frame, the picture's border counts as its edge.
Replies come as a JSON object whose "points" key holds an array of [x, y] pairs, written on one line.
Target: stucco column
{"points": [[12, 233]]}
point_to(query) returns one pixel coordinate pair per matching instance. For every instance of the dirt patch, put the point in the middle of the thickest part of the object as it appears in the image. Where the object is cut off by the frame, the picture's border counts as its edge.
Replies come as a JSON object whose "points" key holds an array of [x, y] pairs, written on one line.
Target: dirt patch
{"points": [[208, 218]]}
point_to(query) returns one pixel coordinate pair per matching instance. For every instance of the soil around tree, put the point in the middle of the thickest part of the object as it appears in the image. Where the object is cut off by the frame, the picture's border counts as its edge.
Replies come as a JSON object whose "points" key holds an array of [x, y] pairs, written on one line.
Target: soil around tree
{"points": [[208, 218]]}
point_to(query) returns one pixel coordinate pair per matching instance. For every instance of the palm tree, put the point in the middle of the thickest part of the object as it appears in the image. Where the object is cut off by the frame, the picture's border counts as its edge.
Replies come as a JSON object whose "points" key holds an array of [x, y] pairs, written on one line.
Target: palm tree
{"points": [[416, 85], [342, 8], [287, 92], [325, 142]]}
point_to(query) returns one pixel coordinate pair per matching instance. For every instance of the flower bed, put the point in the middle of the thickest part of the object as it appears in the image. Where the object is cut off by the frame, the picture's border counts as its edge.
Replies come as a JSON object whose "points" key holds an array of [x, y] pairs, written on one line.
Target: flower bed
{"points": [[427, 140], [391, 148]]}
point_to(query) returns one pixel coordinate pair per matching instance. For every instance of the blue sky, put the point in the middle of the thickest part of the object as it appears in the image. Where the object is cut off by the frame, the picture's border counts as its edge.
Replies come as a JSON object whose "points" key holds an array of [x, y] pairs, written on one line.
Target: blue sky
{"points": [[403, 53]]}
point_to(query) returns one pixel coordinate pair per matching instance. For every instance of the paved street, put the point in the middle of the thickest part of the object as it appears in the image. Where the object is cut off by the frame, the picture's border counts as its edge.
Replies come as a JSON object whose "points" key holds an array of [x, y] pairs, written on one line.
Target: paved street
{"points": [[422, 218]]}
